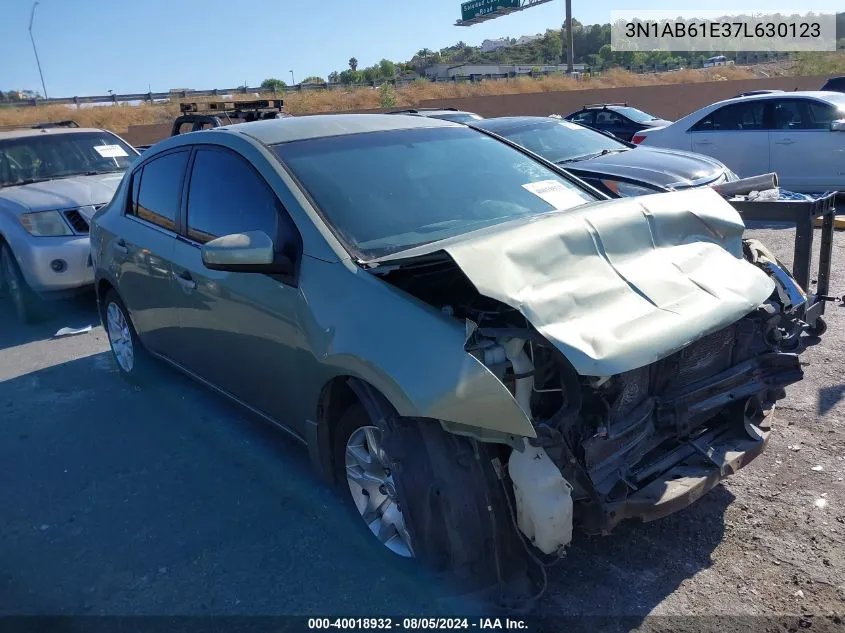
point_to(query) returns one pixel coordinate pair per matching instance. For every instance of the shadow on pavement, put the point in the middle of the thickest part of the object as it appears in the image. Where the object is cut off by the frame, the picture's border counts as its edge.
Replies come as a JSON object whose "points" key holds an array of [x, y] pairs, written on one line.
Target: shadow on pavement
{"points": [[631, 571], [167, 499], [77, 312]]}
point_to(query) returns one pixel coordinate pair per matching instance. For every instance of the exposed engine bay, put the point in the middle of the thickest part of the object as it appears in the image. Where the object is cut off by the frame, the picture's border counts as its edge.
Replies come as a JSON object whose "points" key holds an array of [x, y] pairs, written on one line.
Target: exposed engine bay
{"points": [[639, 444]]}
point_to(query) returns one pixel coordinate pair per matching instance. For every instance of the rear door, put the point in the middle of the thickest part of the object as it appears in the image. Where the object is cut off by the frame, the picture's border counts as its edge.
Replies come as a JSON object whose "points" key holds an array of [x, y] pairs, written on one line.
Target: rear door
{"points": [[735, 134], [238, 331], [805, 154], [143, 253]]}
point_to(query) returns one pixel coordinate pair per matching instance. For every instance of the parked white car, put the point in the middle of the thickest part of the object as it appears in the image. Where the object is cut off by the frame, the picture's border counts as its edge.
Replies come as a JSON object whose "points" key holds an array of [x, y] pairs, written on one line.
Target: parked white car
{"points": [[53, 177], [798, 135]]}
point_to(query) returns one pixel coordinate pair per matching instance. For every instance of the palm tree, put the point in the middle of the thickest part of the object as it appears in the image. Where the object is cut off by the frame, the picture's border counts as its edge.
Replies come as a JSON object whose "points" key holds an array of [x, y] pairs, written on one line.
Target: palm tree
{"points": [[353, 63]]}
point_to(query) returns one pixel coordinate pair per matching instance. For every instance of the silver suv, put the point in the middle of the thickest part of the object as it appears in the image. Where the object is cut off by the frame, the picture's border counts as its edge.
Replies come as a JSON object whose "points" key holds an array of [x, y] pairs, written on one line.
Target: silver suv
{"points": [[53, 177]]}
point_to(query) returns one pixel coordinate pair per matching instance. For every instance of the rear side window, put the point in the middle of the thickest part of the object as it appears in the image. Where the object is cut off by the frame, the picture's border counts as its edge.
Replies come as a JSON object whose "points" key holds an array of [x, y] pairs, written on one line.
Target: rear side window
{"points": [[157, 190], [734, 117], [587, 117], [227, 196]]}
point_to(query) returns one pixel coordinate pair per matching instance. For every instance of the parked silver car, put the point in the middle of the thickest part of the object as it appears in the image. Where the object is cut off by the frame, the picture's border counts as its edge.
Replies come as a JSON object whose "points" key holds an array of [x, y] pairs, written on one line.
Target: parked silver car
{"points": [[52, 180]]}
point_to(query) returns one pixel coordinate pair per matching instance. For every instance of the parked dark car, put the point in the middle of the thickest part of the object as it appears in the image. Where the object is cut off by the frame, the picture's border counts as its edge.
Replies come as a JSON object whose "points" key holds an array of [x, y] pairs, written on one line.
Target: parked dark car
{"points": [[620, 119], [834, 84], [615, 167]]}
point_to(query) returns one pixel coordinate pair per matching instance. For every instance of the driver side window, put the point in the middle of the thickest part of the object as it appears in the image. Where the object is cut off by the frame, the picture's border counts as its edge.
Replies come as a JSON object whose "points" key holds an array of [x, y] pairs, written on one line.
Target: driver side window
{"points": [[226, 195]]}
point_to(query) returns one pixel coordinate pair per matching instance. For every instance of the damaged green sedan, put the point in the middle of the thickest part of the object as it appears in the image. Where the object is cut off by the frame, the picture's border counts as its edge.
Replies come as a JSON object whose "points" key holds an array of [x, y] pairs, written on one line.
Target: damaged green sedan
{"points": [[480, 350]]}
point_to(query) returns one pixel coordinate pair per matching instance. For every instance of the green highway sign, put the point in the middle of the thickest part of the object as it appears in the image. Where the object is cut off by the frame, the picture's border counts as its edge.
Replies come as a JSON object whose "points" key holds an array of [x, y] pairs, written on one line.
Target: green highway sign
{"points": [[479, 8]]}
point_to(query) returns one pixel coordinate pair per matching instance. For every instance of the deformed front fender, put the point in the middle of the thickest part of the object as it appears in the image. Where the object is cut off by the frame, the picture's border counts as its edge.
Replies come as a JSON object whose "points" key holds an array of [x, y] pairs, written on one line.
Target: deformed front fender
{"points": [[411, 353]]}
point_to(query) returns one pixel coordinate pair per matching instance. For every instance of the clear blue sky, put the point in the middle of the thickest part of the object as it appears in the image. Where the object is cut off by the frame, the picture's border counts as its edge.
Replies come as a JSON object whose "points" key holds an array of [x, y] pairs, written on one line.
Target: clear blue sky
{"points": [[92, 46]]}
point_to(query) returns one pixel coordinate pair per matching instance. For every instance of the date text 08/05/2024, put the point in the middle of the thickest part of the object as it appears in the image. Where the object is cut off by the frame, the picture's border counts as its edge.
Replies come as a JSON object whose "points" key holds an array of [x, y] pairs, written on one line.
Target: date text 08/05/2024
{"points": [[415, 624]]}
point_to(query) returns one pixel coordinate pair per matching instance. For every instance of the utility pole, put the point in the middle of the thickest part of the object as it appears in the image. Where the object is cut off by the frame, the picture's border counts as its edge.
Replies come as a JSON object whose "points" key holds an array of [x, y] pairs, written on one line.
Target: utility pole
{"points": [[292, 80], [35, 50], [570, 44]]}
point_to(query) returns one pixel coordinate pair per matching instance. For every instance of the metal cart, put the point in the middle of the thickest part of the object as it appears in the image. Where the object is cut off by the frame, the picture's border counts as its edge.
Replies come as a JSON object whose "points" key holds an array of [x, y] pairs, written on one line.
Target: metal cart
{"points": [[803, 215]]}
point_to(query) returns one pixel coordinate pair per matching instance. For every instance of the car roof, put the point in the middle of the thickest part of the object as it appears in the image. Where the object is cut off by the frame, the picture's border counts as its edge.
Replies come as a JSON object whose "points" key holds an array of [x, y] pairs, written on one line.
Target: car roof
{"points": [[23, 132], [430, 111], [301, 128], [824, 95], [504, 121], [608, 106]]}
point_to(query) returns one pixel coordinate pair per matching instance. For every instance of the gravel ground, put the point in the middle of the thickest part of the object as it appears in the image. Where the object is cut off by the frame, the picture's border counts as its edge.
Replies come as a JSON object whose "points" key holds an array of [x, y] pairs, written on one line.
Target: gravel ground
{"points": [[168, 500]]}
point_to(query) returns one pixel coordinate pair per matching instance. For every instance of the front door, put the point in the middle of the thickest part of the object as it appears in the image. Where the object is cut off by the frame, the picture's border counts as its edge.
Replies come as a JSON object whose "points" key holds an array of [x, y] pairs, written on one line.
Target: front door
{"points": [[144, 250], [736, 135], [805, 154], [239, 331]]}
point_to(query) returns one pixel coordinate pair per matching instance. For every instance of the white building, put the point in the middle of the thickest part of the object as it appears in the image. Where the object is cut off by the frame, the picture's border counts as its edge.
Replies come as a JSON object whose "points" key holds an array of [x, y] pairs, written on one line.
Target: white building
{"points": [[488, 46], [528, 39]]}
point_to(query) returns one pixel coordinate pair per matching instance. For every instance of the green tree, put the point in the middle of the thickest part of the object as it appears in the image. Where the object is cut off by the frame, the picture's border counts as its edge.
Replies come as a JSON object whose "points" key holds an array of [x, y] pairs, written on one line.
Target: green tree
{"points": [[351, 77], [313, 79], [387, 68], [273, 84], [353, 64], [334, 77], [371, 73]]}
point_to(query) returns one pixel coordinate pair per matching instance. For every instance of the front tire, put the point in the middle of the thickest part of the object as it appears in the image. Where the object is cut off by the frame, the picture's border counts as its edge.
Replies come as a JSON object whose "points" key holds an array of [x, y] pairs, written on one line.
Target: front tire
{"points": [[26, 303], [129, 354], [440, 503]]}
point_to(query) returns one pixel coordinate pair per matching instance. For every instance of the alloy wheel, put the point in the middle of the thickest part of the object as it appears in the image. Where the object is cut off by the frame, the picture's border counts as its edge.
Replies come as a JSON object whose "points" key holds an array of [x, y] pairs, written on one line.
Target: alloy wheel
{"points": [[120, 337], [373, 490]]}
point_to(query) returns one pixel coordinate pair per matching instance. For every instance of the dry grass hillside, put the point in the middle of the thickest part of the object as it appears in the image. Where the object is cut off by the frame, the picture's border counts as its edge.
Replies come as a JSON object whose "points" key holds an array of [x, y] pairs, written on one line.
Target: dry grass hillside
{"points": [[119, 117]]}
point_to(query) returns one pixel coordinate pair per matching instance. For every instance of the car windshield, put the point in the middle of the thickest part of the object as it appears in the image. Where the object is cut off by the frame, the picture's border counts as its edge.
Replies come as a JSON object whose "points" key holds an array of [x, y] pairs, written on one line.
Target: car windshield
{"points": [[46, 156], [636, 115], [557, 140], [384, 192]]}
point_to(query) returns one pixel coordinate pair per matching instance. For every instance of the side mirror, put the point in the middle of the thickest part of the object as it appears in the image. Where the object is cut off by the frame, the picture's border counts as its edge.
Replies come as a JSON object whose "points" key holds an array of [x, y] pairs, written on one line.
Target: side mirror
{"points": [[837, 126], [250, 252]]}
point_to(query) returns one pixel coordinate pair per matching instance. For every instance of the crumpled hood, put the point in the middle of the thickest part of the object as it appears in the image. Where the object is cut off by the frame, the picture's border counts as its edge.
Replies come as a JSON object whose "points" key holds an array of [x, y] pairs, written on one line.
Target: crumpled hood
{"points": [[63, 193], [661, 167], [620, 284]]}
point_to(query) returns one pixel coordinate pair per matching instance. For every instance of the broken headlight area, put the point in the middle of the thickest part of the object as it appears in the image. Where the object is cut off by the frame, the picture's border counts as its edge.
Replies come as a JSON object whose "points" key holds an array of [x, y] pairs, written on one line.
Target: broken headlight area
{"points": [[641, 444], [789, 296]]}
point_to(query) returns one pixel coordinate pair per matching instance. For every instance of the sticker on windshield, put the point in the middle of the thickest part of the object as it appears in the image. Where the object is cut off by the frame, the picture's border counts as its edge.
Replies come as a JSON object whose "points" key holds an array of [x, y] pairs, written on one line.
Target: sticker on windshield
{"points": [[110, 151], [555, 193]]}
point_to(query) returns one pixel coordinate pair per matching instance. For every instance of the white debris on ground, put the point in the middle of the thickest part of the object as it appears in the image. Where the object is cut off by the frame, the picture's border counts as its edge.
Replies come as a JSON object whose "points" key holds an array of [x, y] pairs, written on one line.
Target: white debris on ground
{"points": [[70, 331]]}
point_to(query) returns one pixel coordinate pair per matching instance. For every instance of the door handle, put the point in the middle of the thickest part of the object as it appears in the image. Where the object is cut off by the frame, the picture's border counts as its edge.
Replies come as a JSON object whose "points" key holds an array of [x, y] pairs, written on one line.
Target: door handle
{"points": [[786, 141], [185, 280], [120, 247], [704, 142]]}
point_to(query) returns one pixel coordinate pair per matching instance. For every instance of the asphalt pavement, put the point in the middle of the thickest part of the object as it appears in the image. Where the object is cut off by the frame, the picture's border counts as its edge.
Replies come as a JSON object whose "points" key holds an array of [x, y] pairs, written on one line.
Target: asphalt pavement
{"points": [[164, 499], [169, 500]]}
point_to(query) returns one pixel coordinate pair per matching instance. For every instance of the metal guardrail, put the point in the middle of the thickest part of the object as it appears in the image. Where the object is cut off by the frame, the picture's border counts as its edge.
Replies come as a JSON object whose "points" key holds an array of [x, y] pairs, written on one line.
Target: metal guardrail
{"points": [[589, 71]]}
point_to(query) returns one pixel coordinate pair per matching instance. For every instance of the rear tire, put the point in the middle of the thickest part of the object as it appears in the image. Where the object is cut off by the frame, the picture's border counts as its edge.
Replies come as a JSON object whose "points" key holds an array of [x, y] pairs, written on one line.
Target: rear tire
{"points": [[131, 358], [27, 304], [451, 504]]}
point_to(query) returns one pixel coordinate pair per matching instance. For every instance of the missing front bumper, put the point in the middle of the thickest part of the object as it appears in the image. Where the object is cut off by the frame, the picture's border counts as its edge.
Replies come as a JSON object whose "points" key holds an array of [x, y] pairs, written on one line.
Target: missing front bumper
{"points": [[711, 458]]}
